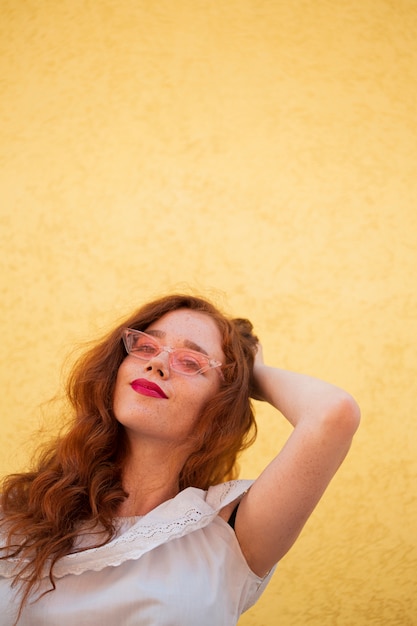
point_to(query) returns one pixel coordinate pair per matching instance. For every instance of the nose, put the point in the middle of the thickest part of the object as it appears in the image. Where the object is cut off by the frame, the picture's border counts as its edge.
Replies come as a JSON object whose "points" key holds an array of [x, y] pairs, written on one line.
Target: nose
{"points": [[159, 364]]}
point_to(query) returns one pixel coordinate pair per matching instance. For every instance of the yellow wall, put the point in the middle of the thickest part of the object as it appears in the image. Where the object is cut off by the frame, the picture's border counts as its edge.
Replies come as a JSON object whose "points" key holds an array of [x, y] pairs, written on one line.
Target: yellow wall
{"points": [[264, 152]]}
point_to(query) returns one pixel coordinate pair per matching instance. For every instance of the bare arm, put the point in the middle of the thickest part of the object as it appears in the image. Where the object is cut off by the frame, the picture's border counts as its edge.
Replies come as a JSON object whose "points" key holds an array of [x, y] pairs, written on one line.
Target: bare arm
{"points": [[272, 514]]}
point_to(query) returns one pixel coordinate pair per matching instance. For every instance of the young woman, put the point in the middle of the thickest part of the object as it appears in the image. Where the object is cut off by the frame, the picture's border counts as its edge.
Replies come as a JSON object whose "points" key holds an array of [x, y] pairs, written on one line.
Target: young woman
{"points": [[134, 514]]}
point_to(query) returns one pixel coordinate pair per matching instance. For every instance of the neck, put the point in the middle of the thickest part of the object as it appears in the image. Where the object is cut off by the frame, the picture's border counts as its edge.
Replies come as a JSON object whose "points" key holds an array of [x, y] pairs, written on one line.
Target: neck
{"points": [[150, 477]]}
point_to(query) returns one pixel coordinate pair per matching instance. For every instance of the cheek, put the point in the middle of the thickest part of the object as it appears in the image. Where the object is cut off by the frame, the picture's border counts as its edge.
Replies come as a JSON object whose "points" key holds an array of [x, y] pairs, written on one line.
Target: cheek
{"points": [[128, 369], [199, 400], [122, 380]]}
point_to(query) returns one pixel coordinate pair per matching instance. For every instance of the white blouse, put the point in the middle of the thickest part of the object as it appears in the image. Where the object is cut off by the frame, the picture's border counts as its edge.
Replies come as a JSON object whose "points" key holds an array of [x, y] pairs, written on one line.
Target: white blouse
{"points": [[179, 565]]}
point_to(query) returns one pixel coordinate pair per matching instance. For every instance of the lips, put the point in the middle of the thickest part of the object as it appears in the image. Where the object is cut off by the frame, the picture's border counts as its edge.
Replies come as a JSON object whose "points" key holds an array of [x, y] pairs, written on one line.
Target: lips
{"points": [[146, 388]]}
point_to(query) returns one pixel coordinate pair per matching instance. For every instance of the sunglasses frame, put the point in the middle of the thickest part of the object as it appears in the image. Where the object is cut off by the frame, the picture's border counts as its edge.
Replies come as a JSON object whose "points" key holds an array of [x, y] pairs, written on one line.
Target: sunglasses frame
{"points": [[128, 333]]}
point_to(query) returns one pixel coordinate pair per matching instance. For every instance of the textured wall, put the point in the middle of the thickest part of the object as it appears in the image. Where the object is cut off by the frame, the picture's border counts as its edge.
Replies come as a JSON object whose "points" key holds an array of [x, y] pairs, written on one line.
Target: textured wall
{"points": [[264, 152]]}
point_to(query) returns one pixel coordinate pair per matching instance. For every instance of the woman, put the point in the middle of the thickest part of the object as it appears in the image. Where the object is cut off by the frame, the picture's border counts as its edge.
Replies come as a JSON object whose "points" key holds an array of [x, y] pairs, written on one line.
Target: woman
{"points": [[134, 515]]}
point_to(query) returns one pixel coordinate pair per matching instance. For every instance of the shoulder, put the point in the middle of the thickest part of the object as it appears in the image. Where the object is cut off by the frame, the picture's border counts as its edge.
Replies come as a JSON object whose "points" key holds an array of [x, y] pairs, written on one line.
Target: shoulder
{"points": [[226, 494]]}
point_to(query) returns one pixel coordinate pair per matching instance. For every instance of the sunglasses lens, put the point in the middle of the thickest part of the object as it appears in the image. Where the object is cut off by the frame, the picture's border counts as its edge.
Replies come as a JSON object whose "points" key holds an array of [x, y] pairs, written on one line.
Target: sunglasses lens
{"points": [[188, 362], [142, 345]]}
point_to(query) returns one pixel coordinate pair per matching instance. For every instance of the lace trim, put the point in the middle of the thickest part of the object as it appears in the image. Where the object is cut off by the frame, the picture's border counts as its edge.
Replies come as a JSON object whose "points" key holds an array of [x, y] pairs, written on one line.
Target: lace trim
{"points": [[190, 510]]}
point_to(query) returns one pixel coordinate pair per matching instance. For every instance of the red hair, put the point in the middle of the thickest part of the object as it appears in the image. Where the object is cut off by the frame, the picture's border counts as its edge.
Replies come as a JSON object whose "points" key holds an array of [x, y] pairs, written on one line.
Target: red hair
{"points": [[78, 478]]}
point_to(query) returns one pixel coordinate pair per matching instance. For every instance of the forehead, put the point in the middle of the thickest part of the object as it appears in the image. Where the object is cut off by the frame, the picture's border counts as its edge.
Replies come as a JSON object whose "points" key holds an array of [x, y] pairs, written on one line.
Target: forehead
{"points": [[187, 325]]}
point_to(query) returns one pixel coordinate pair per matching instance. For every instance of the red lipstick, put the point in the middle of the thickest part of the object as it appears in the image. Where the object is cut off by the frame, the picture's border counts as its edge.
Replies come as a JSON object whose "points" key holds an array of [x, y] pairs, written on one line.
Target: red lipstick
{"points": [[146, 388]]}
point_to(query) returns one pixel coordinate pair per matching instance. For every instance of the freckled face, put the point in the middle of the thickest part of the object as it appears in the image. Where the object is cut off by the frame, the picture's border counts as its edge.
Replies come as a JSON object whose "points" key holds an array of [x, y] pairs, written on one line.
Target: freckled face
{"points": [[150, 399]]}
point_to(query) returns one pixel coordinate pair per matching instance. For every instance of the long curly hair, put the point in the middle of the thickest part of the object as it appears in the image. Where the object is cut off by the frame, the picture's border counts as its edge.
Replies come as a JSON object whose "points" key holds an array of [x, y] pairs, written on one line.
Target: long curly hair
{"points": [[78, 478]]}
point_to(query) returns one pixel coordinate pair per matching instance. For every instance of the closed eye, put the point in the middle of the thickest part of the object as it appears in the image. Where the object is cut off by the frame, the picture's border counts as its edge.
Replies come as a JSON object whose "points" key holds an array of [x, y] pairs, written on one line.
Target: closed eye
{"points": [[145, 348], [190, 362]]}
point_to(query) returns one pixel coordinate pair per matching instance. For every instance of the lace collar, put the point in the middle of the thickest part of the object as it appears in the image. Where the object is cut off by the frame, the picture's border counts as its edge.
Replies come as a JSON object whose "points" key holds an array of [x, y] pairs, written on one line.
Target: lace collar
{"points": [[190, 510]]}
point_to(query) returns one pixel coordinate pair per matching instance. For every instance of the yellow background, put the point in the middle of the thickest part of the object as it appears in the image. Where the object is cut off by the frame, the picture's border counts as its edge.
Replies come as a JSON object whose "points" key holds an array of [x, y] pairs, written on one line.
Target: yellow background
{"points": [[263, 153]]}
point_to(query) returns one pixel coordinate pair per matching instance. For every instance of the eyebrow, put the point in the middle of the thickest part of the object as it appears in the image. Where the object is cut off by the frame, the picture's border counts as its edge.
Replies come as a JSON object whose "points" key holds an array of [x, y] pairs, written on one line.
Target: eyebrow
{"points": [[187, 342]]}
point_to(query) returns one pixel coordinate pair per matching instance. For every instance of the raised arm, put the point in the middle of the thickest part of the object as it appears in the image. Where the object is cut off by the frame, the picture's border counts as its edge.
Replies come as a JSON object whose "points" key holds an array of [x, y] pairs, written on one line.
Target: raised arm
{"points": [[273, 512]]}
